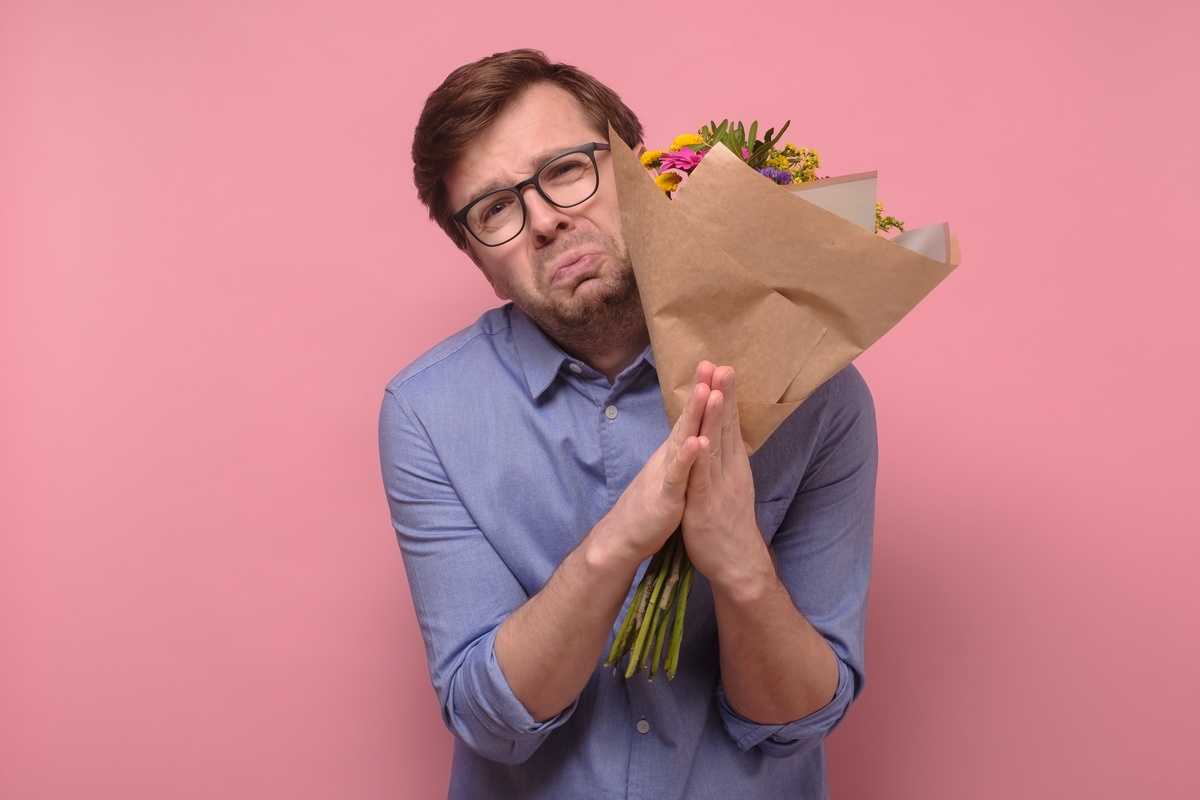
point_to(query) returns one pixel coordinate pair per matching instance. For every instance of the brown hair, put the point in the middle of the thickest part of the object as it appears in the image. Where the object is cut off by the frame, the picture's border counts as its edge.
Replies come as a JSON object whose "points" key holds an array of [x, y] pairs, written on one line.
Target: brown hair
{"points": [[471, 98]]}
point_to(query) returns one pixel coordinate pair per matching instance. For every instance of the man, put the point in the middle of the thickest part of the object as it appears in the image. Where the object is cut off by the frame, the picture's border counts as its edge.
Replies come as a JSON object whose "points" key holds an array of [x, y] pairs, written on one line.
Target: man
{"points": [[531, 472]]}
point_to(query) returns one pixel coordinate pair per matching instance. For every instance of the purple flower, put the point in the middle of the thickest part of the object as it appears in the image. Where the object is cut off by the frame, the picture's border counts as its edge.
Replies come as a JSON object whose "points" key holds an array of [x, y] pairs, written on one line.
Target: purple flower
{"points": [[685, 159], [777, 175]]}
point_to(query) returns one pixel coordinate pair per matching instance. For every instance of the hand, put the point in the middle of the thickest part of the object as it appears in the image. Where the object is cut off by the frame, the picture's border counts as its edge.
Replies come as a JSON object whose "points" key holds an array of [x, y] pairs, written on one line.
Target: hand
{"points": [[719, 528], [652, 506], [547, 648]]}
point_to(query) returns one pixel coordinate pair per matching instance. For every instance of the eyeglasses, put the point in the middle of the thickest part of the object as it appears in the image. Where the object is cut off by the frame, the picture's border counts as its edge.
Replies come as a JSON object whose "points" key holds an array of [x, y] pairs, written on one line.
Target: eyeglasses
{"points": [[564, 181]]}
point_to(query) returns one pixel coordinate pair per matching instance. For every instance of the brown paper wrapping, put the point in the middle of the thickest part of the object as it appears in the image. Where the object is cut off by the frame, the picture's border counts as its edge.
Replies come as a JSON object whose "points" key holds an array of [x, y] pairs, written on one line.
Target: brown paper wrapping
{"points": [[737, 270]]}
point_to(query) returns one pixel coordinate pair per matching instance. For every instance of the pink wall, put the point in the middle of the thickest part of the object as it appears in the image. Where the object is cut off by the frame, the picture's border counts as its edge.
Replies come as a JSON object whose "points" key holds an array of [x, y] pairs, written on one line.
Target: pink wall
{"points": [[211, 261]]}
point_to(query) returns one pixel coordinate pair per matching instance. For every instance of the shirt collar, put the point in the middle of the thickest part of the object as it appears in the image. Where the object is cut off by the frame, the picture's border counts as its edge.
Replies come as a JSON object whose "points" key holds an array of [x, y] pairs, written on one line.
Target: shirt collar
{"points": [[541, 359]]}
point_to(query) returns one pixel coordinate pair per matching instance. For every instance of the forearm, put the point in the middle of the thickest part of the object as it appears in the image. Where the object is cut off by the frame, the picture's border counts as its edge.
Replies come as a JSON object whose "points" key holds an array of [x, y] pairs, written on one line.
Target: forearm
{"points": [[548, 648], [775, 667]]}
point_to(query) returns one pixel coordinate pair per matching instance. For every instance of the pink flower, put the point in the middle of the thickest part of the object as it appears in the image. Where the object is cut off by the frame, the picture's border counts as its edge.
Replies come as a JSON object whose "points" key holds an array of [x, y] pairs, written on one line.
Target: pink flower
{"points": [[745, 154], [685, 159], [683, 176]]}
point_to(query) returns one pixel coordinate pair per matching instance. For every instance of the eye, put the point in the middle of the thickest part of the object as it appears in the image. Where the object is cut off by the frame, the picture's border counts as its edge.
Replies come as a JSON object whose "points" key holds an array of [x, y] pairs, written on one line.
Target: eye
{"points": [[567, 167], [566, 170], [494, 209]]}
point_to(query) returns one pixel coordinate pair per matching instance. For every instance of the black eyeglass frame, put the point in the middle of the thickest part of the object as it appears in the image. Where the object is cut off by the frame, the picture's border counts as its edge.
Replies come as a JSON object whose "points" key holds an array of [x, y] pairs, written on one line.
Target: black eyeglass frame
{"points": [[590, 148]]}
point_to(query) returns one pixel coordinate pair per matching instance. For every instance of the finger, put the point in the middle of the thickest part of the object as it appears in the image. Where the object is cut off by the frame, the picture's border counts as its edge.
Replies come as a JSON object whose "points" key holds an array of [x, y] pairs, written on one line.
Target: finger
{"points": [[704, 373], [731, 429], [711, 427], [723, 379], [700, 477], [679, 468], [688, 423]]}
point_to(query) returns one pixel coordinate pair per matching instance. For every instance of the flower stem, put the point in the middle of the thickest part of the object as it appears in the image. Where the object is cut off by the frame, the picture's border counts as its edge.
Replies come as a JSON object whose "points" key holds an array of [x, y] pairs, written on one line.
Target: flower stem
{"points": [[633, 617], [639, 646], [659, 603], [685, 588]]}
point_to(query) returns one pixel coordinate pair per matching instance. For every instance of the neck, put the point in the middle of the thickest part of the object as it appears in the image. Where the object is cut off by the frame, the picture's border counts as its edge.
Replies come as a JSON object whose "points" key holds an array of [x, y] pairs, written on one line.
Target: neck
{"points": [[612, 357], [610, 342]]}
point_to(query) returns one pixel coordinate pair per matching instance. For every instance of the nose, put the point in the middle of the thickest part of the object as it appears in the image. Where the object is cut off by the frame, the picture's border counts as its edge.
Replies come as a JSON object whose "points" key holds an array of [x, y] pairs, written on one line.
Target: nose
{"points": [[545, 220]]}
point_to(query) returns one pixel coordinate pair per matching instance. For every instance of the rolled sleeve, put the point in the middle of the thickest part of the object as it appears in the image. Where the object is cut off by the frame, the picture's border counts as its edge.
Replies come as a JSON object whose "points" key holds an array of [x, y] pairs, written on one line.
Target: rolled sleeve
{"points": [[481, 708], [462, 591], [790, 738], [822, 550]]}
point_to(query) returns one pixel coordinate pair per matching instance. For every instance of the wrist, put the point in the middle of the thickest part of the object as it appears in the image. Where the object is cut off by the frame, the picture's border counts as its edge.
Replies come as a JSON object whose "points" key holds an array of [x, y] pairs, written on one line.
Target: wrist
{"points": [[746, 580], [606, 551]]}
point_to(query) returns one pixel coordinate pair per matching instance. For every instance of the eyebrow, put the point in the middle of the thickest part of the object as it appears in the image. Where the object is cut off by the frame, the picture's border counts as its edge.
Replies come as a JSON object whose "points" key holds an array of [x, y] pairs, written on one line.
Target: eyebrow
{"points": [[535, 163]]}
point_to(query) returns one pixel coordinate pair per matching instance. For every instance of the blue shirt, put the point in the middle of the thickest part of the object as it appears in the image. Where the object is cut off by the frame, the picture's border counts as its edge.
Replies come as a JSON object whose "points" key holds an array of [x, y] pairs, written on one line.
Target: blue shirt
{"points": [[499, 454]]}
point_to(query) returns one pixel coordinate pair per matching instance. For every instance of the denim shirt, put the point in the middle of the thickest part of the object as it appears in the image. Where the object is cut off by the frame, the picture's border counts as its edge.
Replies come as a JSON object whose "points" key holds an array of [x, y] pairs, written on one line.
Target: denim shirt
{"points": [[499, 453]]}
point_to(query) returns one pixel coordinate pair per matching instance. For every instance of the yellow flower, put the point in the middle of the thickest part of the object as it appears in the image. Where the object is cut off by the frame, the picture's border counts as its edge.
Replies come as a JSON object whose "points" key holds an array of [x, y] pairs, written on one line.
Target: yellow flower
{"points": [[804, 164], [883, 223], [779, 162], [684, 140], [668, 182], [651, 158]]}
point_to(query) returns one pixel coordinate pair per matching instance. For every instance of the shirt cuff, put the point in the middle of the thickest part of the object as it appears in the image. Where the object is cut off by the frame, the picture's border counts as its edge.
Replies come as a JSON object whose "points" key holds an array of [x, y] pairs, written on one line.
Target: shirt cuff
{"points": [[492, 721], [791, 737]]}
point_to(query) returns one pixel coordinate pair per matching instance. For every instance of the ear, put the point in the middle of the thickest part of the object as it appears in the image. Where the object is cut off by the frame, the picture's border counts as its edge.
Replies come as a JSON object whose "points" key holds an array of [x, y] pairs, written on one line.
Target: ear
{"points": [[470, 253]]}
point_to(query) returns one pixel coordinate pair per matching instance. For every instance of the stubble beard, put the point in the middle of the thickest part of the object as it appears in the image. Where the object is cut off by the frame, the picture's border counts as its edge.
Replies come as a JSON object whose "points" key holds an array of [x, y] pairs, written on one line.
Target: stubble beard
{"points": [[605, 318]]}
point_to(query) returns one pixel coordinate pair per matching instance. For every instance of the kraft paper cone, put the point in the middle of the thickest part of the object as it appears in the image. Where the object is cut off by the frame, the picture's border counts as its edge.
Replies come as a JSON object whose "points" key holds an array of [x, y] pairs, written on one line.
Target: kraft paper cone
{"points": [[737, 270]]}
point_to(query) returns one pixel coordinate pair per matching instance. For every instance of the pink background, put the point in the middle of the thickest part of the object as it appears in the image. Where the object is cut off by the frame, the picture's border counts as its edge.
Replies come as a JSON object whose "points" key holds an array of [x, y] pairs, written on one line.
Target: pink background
{"points": [[211, 261]]}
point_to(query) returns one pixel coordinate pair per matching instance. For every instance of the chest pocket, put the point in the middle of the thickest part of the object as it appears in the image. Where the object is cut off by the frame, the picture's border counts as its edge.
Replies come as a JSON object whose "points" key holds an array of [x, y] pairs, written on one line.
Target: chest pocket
{"points": [[769, 515]]}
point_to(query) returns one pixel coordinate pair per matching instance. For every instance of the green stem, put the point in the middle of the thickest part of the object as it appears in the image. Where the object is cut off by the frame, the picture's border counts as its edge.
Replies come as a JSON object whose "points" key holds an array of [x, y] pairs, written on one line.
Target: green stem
{"points": [[639, 646], [673, 580], [633, 617], [685, 588], [660, 636]]}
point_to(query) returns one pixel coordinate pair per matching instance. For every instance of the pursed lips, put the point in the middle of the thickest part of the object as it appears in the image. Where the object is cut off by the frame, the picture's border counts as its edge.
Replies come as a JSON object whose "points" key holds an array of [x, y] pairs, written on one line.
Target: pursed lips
{"points": [[571, 266]]}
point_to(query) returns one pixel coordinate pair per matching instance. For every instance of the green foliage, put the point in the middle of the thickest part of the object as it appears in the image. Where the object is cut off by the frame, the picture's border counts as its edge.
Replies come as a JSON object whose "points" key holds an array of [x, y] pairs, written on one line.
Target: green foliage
{"points": [[883, 223], [738, 139], [789, 164]]}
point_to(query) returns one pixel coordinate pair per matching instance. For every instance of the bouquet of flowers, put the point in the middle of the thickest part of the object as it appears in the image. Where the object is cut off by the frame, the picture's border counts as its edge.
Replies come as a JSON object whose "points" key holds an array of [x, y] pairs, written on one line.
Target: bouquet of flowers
{"points": [[793, 271], [786, 167]]}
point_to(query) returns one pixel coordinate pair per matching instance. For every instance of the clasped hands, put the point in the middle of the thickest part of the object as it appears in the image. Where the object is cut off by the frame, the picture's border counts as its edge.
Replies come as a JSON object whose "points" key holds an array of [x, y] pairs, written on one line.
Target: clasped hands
{"points": [[699, 477]]}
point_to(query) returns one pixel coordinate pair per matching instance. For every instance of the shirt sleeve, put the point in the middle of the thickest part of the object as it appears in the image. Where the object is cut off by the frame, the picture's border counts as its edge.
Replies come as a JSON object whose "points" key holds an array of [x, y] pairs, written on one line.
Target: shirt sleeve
{"points": [[823, 555], [462, 590]]}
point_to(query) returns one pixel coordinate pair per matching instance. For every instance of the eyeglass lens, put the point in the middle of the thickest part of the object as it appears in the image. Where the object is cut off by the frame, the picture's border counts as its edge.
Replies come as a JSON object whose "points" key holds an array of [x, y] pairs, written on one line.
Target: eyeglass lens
{"points": [[566, 181]]}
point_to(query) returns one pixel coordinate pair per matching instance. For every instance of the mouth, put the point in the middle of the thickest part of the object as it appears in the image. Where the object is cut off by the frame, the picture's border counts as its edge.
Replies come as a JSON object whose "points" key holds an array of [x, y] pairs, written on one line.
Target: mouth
{"points": [[574, 268]]}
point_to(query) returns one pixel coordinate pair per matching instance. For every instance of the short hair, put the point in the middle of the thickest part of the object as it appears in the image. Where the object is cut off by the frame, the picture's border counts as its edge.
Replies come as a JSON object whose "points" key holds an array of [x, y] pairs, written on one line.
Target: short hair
{"points": [[472, 96]]}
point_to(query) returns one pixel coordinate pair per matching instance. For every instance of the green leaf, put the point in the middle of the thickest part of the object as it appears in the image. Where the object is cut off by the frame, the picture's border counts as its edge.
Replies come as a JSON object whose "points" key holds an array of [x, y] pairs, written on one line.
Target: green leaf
{"points": [[763, 151], [717, 132], [779, 137]]}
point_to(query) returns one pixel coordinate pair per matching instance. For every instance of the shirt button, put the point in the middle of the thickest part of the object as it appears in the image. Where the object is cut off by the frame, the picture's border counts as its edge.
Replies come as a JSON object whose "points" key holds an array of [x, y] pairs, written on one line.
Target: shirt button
{"points": [[611, 412], [643, 726], [575, 368]]}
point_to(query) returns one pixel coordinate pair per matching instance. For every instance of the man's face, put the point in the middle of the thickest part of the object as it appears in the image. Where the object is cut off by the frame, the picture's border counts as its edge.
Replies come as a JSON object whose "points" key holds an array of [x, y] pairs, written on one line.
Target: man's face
{"points": [[568, 269]]}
